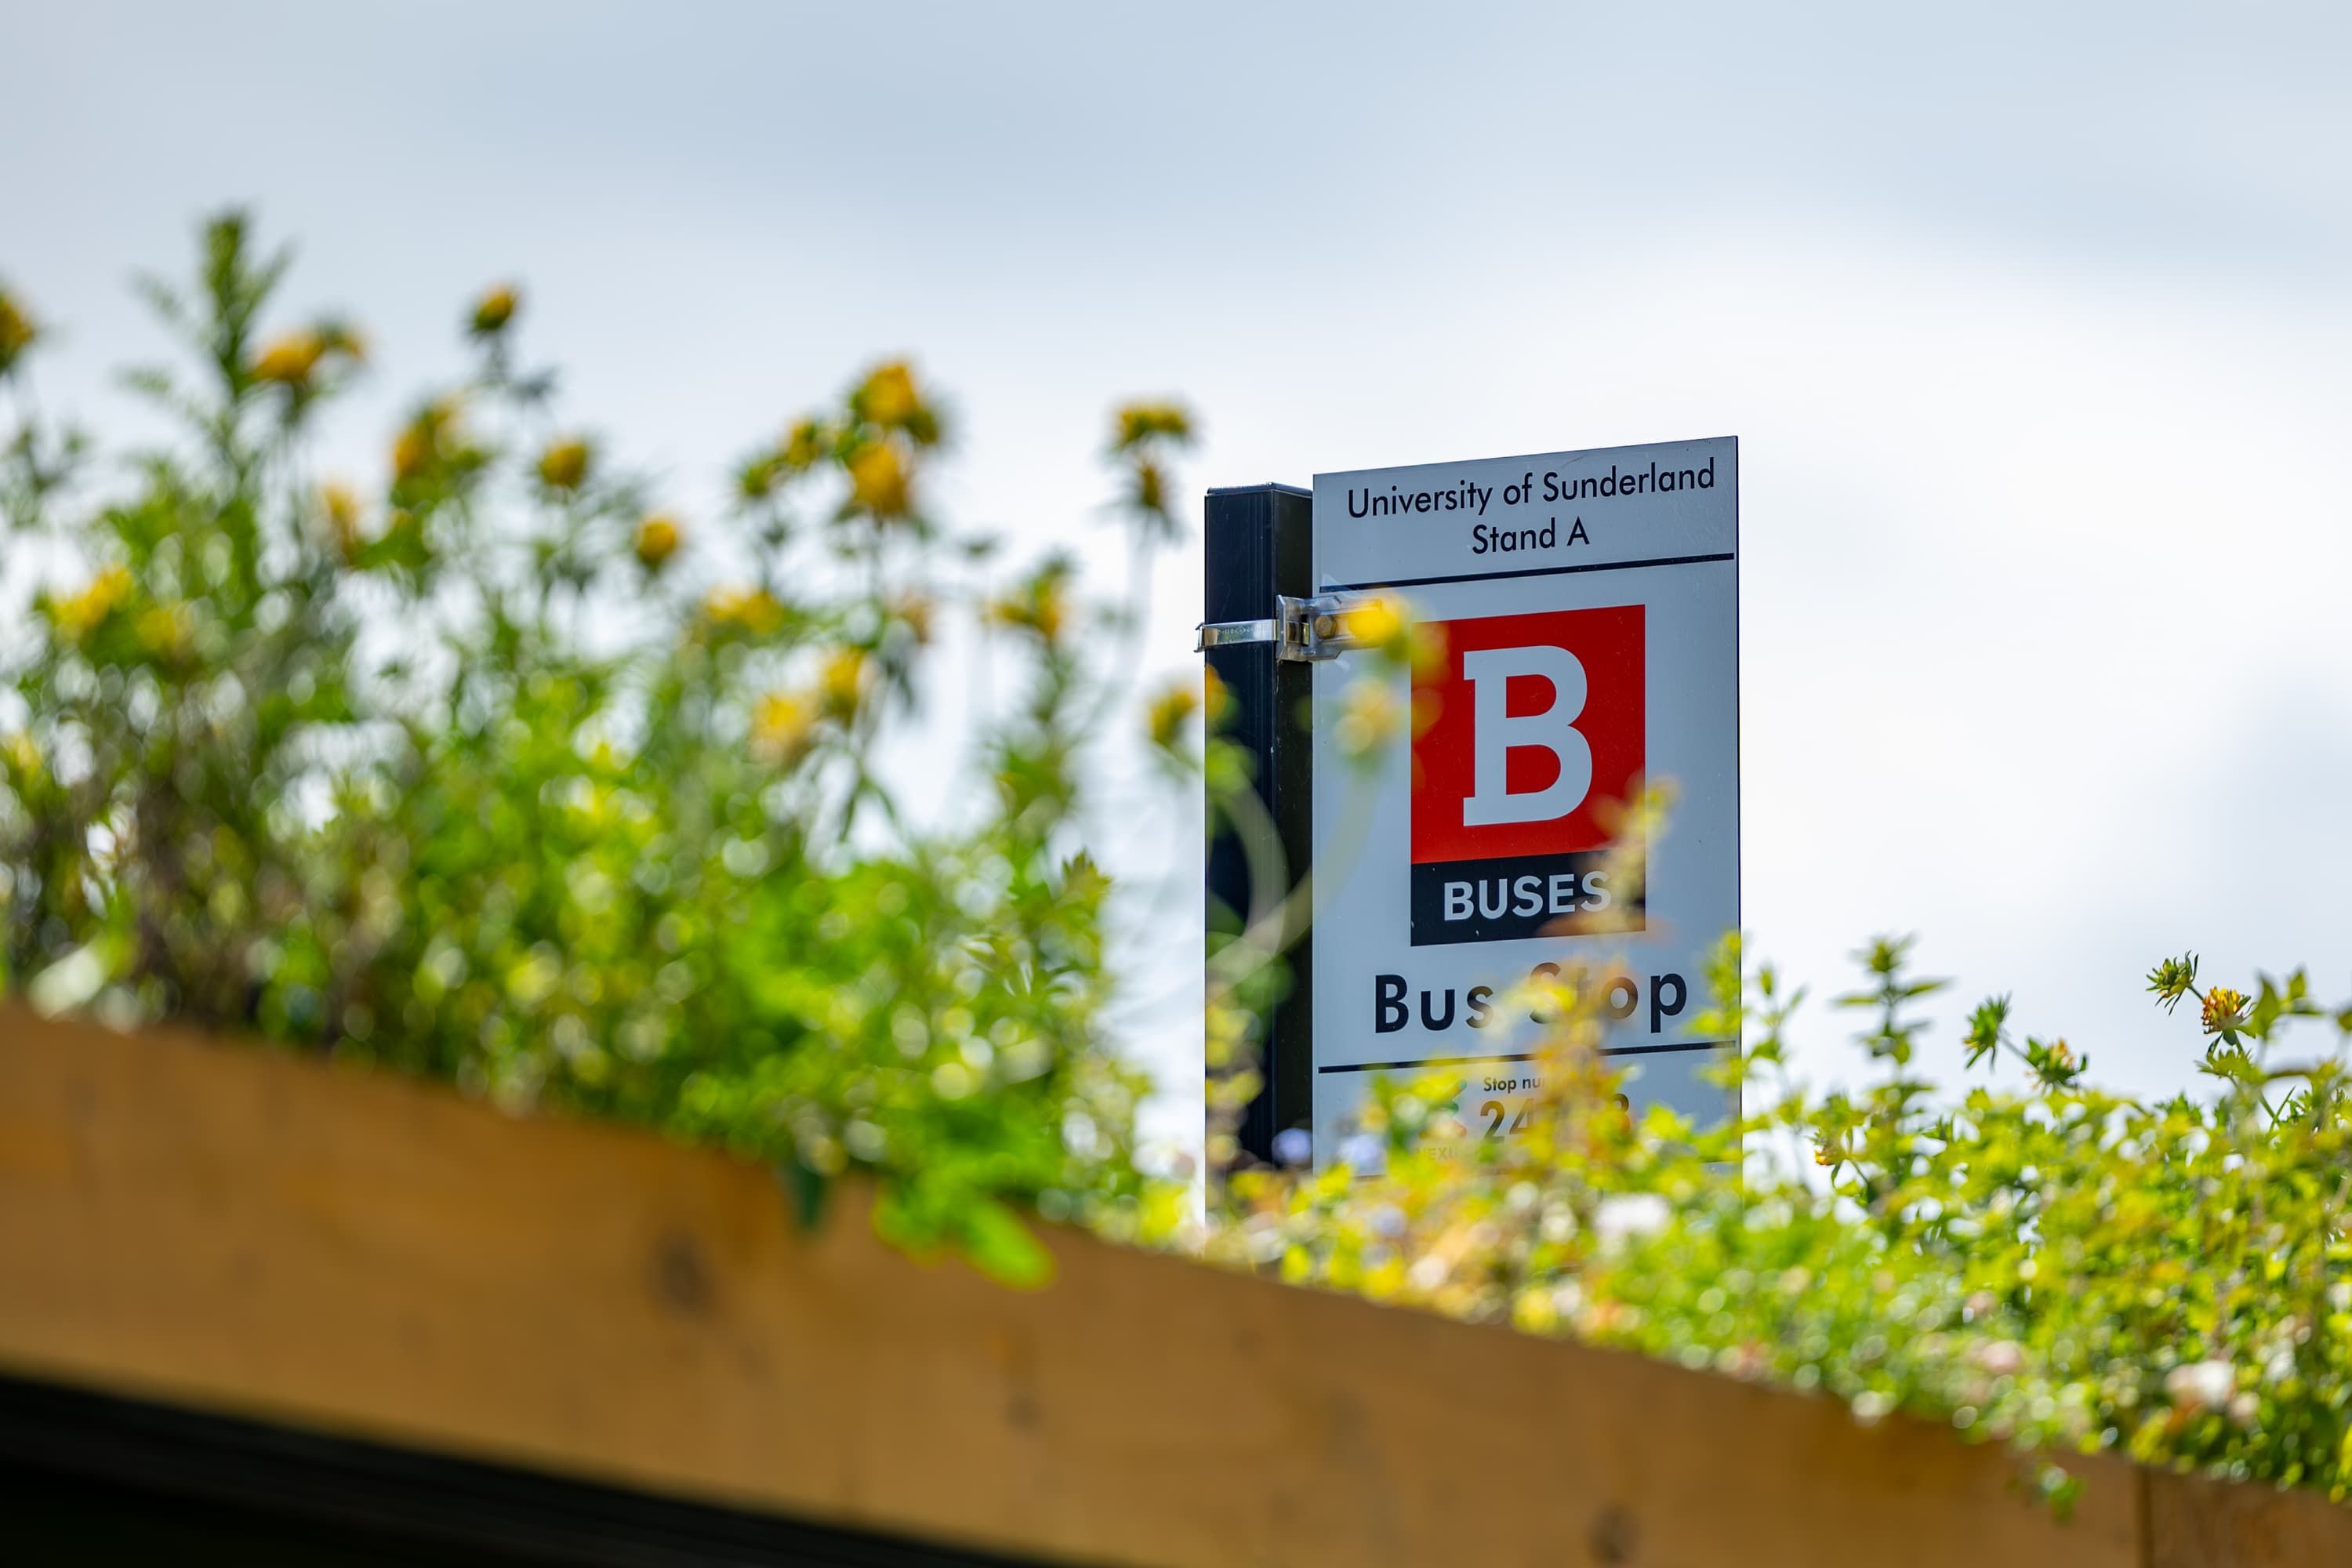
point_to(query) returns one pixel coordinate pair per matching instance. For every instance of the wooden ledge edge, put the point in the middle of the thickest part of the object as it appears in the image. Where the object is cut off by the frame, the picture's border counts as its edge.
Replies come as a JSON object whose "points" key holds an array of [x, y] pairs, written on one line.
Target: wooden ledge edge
{"points": [[237, 1229]]}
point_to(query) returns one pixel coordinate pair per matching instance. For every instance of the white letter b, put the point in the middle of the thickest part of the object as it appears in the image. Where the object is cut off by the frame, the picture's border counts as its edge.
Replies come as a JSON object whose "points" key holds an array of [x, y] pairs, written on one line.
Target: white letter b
{"points": [[1498, 734]]}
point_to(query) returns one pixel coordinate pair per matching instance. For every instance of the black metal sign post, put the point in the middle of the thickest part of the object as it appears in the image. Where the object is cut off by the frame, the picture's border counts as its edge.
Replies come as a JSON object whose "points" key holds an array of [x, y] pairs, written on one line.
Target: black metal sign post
{"points": [[1259, 551]]}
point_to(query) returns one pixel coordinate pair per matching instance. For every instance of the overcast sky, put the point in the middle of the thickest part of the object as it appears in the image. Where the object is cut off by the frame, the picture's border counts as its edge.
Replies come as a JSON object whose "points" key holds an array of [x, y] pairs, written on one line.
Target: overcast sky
{"points": [[2033, 321]]}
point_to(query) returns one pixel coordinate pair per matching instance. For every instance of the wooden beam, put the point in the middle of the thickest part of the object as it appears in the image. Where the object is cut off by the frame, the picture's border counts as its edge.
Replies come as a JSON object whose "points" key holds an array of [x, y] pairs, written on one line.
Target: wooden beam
{"points": [[237, 1230]]}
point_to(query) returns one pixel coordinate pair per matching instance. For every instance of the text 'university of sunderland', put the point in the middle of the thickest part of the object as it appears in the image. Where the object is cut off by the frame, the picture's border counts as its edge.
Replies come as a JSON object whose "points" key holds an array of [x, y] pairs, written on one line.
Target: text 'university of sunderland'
{"points": [[1467, 496]]}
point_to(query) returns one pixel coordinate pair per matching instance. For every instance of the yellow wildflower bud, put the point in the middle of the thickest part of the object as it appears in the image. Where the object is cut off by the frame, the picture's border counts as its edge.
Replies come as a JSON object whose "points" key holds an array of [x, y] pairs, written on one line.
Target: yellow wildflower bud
{"points": [[433, 436], [494, 309], [17, 331], [85, 612], [163, 631], [844, 679], [889, 396], [1141, 422], [1050, 611], [1041, 610], [409, 453], [2224, 1009], [1378, 624], [877, 480], [289, 360], [341, 507], [782, 725], [564, 465], [744, 609], [657, 541], [1168, 714], [803, 444]]}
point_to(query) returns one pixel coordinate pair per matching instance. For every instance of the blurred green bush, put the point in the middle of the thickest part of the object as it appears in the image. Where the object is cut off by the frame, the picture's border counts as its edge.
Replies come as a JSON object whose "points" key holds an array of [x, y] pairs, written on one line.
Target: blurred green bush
{"points": [[491, 769]]}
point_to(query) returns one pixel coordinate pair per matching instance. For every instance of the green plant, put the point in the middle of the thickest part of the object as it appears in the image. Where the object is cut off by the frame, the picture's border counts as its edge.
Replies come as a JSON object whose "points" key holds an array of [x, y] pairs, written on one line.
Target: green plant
{"points": [[491, 769], [494, 770], [2051, 1265]]}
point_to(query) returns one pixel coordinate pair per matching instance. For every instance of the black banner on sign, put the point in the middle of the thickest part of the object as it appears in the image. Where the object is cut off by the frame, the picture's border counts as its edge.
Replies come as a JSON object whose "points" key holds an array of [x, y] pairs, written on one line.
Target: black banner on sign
{"points": [[1521, 896]]}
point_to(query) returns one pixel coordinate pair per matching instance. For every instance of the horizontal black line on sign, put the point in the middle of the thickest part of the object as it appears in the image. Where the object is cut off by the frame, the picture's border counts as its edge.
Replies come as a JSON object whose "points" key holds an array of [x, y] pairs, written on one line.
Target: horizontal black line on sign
{"points": [[1522, 1057], [1530, 572]]}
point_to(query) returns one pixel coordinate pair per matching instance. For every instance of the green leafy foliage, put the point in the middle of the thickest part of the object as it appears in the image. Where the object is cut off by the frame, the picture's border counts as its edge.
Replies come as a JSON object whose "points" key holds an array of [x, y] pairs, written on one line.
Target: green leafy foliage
{"points": [[2048, 1264]]}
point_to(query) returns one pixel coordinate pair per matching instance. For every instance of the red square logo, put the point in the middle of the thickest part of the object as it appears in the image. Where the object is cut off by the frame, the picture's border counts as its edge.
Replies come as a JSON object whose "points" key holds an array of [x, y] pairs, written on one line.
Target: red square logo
{"points": [[1531, 744]]}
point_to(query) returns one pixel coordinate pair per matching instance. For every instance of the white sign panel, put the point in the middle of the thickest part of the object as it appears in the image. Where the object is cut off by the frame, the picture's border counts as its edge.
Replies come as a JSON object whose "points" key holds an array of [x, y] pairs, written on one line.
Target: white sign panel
{"points": [[1587, 606]]}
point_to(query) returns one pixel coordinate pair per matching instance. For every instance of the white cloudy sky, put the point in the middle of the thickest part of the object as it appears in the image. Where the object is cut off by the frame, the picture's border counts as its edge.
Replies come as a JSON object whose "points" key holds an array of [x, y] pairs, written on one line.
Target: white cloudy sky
{"points": [[2033, 321]]}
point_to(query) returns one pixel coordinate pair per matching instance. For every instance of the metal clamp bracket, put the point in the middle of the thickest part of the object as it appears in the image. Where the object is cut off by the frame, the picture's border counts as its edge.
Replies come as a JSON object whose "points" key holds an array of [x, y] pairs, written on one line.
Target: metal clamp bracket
{"points": [[1304, 631]]}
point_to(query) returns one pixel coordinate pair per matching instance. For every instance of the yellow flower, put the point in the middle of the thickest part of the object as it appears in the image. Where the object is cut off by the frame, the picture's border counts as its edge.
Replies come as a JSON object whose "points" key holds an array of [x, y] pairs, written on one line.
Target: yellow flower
{"points": [[782, 725], [1141, 422], [1042, 609], [426, 440], [564, 465], [803, 444], [410, 452], [289, 360], [494, 309], [744, 609], [1168, 714], [163, 631], [657, 541], [844, 679], [1377, 623], [85, 612], [341, 507], [293, 359], [17, 331], [889, 396], [2224, 1009], [877, 480]]}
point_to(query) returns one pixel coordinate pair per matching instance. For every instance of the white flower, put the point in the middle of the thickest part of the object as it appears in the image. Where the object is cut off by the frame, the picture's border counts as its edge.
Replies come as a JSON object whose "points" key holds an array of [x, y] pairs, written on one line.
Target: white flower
{"points": [[1293, 1146], [2202, 1385], [1363, 1154], [1629, 1214], [1429, 1273]]}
